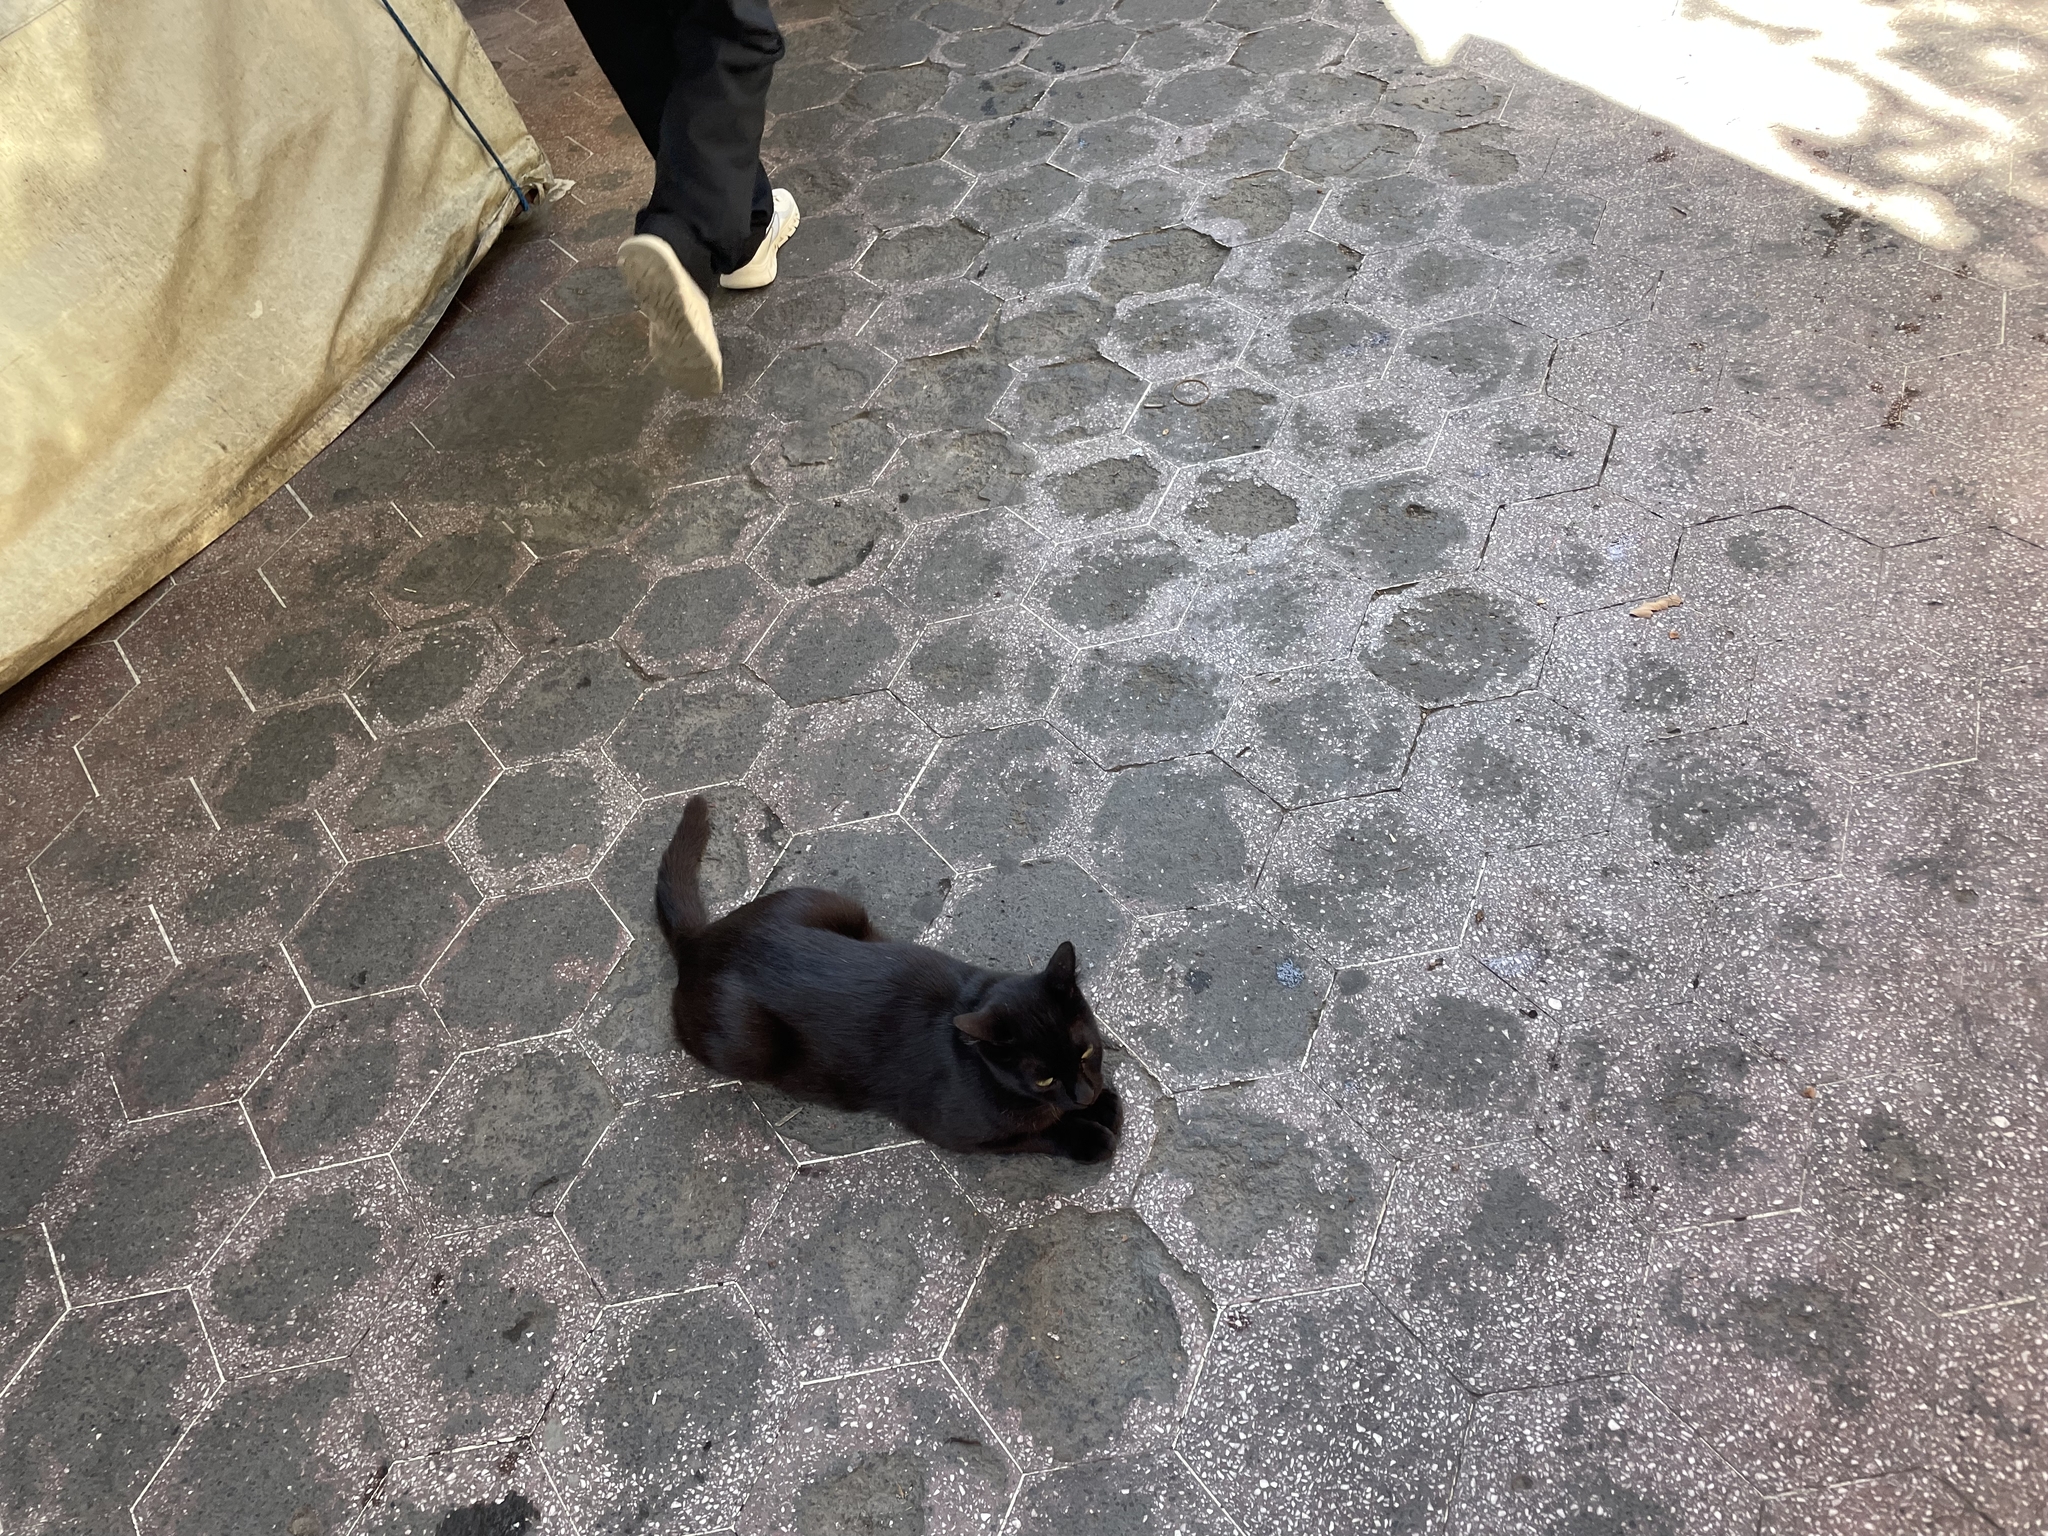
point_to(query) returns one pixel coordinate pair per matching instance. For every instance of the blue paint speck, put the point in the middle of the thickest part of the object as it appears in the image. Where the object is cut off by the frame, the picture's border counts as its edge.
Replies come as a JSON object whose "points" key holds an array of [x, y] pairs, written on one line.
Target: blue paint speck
{"points": [[1288, 974]]}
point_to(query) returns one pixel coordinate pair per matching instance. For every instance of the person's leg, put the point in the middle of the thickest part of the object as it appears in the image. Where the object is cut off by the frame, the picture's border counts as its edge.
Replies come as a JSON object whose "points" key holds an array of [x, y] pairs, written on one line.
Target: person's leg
{"points": [[712, 201], [634, 44]]}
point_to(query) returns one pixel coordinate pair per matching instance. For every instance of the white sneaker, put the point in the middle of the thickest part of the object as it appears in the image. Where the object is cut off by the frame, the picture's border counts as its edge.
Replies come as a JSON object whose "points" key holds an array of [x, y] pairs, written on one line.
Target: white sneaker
{"points": [[760, 271], [678, 315]]}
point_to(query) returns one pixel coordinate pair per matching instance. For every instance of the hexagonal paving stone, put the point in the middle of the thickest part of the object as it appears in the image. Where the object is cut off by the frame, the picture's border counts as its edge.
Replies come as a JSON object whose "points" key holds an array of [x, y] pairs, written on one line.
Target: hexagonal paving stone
{"points": [[1588, 549], [482, 1332], [698, 621], [1131, 207], [1470, 359], [922, 251], [644, 1229], [881, 864], [465, 569], [156, 1200], [1324, 347], [1454, 644], [867, 1262], [844, 761], [1436, 1058], [1320, 733], [348, 1083], [997, 797], [1634, 679], [1929, 1179], [427, 676], [545, 823], [1234, 506], [1368, 430], [985, 670], [1013, 919], [1515, 449], [1189, 425], [526, 965], [1112, 492], [1141, 702], [692, 732], [286, 755], [895, 1447], [1383, 211], [1572, 1452], [1272, 612], [309, 1269], [1062, 402], [928, 321], [556, 703], [826, 541], [1704, 1125], [1179, 834], [1371, 879], [575, 598], [1765, 1307], [1218, 995], [1081, 1337], [1158, 263], [707, 521], [944, 473], [407, 791], [1117, 587], [1324, 1400], [807, 383], [670, 1415], [207, 1033], [1406, 527], [1175, 338], [1514, 772], [381, 924], [1635, 372], [1694, 464], [833, 647], [1811, 386], [1510, 1243], [94, 1414], [505, 1132], [1740, 810], [952, 392], [270, 1449], [1262, 1188]]}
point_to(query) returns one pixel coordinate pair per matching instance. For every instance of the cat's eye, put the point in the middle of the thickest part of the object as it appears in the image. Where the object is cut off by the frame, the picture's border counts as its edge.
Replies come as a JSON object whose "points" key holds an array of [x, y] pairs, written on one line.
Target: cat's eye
{"points": [[1045, 1082], [1087, 1053]]}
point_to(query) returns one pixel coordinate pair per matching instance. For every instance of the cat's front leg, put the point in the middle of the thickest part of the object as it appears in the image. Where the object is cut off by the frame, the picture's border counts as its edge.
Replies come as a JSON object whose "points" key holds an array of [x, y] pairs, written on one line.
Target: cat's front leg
{"points": [[1084, 1139], [1107, 1111]]}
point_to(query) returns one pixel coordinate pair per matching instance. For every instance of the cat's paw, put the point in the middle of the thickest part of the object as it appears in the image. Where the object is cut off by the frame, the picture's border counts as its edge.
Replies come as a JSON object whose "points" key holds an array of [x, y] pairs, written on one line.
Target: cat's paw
{"points": [[1086, 1141], [1107, 1111]]}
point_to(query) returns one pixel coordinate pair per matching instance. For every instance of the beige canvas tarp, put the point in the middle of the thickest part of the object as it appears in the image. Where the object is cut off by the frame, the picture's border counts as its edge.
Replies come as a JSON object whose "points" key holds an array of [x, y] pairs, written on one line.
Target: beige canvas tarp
{"points": [[225, 225]]}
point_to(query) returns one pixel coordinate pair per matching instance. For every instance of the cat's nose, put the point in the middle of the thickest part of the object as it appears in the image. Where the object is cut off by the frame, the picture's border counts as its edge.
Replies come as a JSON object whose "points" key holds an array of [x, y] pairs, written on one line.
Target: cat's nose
{"points": [[1086, 1093]]}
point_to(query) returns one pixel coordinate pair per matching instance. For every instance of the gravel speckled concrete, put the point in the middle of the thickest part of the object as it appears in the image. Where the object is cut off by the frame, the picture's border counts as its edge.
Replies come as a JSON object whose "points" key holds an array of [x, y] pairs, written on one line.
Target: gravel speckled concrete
{"points": [[1186, 494]]}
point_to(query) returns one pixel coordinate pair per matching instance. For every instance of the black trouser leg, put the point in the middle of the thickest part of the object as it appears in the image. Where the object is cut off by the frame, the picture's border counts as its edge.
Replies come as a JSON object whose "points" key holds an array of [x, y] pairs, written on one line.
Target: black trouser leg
{"points": [[693, 76]]}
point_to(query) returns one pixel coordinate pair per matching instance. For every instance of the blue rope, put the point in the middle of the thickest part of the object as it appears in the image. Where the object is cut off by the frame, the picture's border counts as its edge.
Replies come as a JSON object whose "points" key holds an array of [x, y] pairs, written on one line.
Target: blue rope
{"points": [[456, 102]]}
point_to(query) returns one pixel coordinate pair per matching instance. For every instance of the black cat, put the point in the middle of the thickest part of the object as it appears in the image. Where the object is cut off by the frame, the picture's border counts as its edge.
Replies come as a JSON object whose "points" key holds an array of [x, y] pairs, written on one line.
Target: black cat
{"points": [[797, 989]]}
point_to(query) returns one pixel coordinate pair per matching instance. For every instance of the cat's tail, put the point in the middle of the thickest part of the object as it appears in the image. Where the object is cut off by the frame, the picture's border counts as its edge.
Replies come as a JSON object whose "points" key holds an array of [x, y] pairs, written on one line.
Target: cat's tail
{"points": [[678, 900]]}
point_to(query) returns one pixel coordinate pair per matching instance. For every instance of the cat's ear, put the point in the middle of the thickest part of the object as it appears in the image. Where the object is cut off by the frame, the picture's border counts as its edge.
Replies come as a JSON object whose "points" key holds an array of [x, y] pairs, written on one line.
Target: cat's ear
{"points": [[977, 1026], [1059, 971]]}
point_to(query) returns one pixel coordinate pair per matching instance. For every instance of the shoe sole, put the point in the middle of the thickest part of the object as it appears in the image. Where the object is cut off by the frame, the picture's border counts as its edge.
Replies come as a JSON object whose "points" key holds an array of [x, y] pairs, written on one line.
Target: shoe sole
{"points": [[781, 238], [684, 341]]}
